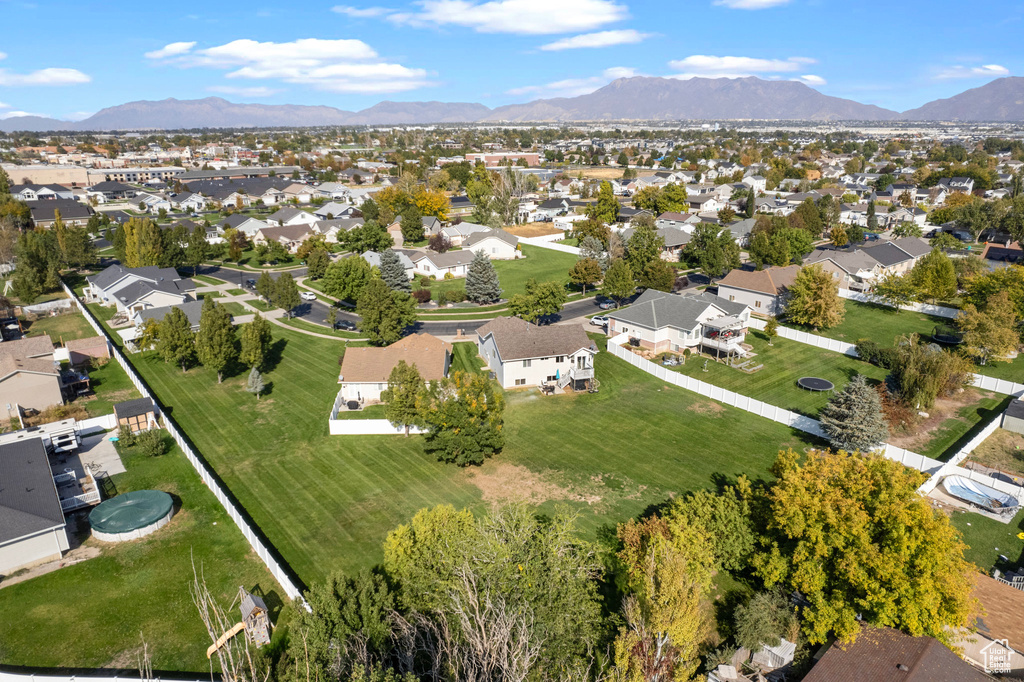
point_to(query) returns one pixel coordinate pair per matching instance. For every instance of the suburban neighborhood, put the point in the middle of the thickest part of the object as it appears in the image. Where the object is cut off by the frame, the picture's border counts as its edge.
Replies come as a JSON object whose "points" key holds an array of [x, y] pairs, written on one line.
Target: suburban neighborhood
{"points": [[704, 376]]}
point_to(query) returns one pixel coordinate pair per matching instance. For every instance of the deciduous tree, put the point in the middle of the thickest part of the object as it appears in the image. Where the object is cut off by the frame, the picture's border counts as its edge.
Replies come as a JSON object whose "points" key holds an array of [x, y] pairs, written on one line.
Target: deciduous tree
{"points": [[586, 272], [285, 294], [177, 342], [464, 416], [992, 332], [814, 299], [216, 343], [256, 340], [618, 281], [541, 300], [405, 386], [345, 278], [385, 313]]}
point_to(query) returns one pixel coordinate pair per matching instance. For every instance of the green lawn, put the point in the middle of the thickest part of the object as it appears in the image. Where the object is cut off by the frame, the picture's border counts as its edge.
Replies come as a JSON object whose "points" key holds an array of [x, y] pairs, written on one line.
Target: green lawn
{"points": [[466, 359], [93, 613], [988, 539], [883, 325], [205, 279], [326, 503], [261, 305], [540, 264], [61, 328], [236, 292], [235, 308], [368, 412], [320, 329], [111, 385], [210, 294], [784, 363], [953, 433]]}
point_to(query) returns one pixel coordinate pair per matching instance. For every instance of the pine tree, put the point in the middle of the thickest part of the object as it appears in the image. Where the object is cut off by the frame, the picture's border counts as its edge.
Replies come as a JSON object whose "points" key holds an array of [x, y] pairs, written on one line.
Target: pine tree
{"points": [[256, 340], [177, 342], [254, 384], [216, 343], [591, 247], [393, 272], [286, 293], [482, 285], [405, 385], [853, 418]]}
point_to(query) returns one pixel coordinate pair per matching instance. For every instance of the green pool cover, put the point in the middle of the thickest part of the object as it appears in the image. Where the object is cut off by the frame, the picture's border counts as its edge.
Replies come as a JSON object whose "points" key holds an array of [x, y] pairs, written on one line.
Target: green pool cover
{"points": [[130, 511]]}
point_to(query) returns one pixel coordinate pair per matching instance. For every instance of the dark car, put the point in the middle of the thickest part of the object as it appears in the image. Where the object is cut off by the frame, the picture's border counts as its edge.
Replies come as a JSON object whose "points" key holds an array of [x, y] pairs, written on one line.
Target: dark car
{"points": [[345, 325], [250, 284]]}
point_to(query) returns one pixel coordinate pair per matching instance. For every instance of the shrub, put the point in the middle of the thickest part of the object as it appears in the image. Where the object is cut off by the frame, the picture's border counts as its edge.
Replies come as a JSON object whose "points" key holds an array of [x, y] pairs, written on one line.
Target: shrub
{"points": [[449, 275], [455, 296], [421, 295], [425, 281], [151, 443], [126, 438], [869, 351]]}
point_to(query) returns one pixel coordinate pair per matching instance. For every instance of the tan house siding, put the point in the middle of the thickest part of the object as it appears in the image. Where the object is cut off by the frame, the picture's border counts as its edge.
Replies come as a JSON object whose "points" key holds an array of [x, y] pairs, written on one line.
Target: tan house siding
{"points": [[33, 550], [30, 390]]}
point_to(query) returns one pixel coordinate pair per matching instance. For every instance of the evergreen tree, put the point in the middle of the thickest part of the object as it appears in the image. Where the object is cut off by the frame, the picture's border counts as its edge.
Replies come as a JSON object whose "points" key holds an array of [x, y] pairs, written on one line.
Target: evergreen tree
{"points": [[592, 247], [385, 313], [751, 205], [265, 286], [405, 385], [482, 285], [254, 384], [216, 343], [26, 285], [256, 340], [177, 342], [286, 293], [196, 248], [814, 299], [872, 218], [618, 281], [393, 272], [853, 418]]}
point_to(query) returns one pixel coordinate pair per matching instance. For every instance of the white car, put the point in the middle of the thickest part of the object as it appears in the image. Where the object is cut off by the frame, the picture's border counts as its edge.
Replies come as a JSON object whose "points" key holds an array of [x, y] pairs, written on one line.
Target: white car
{"points": [[308, 296], [599, 320]]}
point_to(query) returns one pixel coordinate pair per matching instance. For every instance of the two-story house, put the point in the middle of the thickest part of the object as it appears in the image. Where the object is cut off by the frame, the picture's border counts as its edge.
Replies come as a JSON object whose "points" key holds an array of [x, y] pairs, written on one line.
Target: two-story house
{"points": [[522, 354]]}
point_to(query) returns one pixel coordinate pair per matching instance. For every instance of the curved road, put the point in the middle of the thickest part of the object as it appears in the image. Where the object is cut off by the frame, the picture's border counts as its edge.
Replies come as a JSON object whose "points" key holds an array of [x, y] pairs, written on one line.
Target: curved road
{"points": [[316, 311]]}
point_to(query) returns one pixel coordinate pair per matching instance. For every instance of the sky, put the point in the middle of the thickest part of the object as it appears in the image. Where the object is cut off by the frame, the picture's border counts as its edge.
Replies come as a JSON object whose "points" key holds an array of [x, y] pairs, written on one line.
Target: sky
{"points": [[70, 59]]}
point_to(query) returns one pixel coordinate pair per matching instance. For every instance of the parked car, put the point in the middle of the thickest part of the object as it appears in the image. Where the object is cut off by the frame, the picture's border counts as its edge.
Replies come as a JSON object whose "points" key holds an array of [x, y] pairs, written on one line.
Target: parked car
{"points": [[307, 296], [599, 320], [606, 305], [346, 325], [250, 284]]}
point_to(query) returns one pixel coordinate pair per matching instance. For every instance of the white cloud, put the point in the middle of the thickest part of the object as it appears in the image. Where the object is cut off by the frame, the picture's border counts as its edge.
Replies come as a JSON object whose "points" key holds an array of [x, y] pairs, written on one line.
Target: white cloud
{"points": [[171, 50], [4, 105], [812, 80], [361, 12], [255, 91], [78, 115], [751, 4], [573, 87], [984, 71], [14, 114], [51, 76], [342, 65], [599, 39], [3, 55], [734, 67], [529, 17]]}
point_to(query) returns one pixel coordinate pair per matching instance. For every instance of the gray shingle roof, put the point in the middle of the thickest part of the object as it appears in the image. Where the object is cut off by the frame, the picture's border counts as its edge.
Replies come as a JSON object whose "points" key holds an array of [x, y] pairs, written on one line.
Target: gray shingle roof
{"points": [[656, 309], [113, 273], [193, 311], [477, 237], [133, 408], [28, 495], [517, 339], [69, 209]]}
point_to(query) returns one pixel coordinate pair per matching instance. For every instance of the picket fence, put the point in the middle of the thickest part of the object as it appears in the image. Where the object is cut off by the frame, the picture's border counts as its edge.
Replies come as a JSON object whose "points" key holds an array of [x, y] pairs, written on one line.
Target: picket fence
{"points": [[936, 310], [263, 550], [548, 242]]}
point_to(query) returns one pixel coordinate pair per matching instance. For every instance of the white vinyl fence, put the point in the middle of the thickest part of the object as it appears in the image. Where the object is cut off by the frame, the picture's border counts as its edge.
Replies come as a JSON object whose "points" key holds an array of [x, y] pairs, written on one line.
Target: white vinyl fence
{"points": [[263, 550], [548, 242], [96, 424], [936, 310], [368, 427]]}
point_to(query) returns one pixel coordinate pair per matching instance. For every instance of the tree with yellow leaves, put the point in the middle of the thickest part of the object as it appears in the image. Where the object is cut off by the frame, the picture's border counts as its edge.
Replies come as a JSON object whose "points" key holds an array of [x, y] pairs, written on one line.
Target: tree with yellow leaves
{"points": [[851, 533], [432, 203]]}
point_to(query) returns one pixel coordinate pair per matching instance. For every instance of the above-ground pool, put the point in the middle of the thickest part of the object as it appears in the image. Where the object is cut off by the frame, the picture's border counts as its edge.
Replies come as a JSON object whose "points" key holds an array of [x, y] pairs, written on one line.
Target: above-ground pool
{"points": [[131, 515]]}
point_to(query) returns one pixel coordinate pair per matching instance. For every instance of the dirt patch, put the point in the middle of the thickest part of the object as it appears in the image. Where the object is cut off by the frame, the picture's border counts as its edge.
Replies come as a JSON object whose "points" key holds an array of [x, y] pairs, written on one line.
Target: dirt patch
{"points": [[75, 556], [504, 482], [920, 434], [532, 230], [126, 660], [1003, 450], [602, 173], [707, 408]]}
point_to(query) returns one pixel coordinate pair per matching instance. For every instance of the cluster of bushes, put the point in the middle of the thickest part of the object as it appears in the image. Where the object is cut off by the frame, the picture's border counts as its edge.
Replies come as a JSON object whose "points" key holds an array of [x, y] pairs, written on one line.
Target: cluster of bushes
{"points": [[151, 443], [421, 296], [919, 373]]}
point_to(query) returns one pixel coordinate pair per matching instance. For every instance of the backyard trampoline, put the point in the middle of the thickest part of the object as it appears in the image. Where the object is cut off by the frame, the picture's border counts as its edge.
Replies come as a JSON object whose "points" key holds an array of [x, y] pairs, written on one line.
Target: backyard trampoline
{"points": [[131, 515], [951, 336], [815, 384]]}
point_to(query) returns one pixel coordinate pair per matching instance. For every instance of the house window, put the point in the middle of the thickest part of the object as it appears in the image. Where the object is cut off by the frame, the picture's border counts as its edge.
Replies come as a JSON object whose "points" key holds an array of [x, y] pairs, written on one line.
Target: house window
{"points": [[526, 363], [560, 358], [732, 298], [552, 377], [520, 382], [757, 304]]}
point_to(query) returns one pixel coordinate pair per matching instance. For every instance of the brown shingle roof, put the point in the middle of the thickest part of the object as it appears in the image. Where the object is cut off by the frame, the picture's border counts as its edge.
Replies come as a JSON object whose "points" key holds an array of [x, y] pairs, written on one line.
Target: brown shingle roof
{"points": [[86, 343], [517, 339], [881, 654], [769, 281], [1004, 611], [374, 365], [28, 347]]}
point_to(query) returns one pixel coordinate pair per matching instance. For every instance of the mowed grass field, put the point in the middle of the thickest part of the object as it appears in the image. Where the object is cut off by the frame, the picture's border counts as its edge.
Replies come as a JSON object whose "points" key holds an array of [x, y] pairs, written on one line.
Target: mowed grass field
{"points": [[543, 265], [61, 328], [326, 503]]}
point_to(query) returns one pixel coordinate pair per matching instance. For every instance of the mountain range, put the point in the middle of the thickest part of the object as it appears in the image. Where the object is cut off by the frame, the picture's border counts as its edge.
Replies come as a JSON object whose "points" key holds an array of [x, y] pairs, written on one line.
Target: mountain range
{"points": [[639, 98]]}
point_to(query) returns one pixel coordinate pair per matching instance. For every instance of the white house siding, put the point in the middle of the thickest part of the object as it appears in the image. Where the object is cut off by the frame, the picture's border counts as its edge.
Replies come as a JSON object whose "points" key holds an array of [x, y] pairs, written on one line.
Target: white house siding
{"points": [[367, 392], [666, 338], [538, 371], [33, 549], [495, 249]]}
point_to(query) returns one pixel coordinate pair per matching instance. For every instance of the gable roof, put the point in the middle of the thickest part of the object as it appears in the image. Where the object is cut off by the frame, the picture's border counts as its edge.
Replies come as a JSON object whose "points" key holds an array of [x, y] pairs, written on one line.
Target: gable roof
{"points": [[193, 311], [30, 354], [290, 232], [877, 654], [449, 259], [70, 209], [1004, 609], [502, 235], [373, 365], [517, 339], [284, 214], [772, 281], [373, 258], [134, 408], [28, 496], [656, 309]]}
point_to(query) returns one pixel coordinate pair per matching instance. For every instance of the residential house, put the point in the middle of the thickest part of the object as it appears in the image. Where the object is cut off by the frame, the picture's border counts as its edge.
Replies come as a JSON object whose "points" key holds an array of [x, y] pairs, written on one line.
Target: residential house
{"points": [[524, 354], [957, 184], [675, 238], [188, 201], [331, 229], [627, 214], [547, 211], [145, 202], [497, 244], [247, 225], [431, 225], [44, 212], [998, 632], [289, 236], [755, 182], [662, 321], [886, 655], [289, 215], [299, 192], [365, 371], [855, 270], [30, 192], [83, 351], [460, 206], [704, 203], [331, 190], [32, 526], [373, 258], [29, 376], [108, 190], [671, 219], [457, 233], [332, 210], [454, 263], [763, 291], [135, 289]]}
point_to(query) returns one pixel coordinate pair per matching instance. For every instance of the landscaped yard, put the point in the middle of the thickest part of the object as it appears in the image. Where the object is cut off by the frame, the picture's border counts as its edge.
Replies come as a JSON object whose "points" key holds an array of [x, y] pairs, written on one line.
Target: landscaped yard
{"points": [[543, 265], [61, 328], [987, 539], [235, 308], [111, 385], [205, 279], [299, 323], [94, 613], [368, 412], [327, 502]]}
